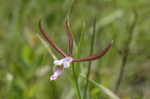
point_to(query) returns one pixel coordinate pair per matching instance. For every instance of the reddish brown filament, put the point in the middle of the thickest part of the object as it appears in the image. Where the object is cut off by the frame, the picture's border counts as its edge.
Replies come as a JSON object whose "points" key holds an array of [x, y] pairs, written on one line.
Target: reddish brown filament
{"points": [[96, 56], [70, 37], [50, 41]]}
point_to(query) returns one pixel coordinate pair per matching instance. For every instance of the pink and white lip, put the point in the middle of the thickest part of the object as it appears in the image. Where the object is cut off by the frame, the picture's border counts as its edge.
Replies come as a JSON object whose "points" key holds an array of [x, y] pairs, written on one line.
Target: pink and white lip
{"points": [[56, 74], [60, 66]]}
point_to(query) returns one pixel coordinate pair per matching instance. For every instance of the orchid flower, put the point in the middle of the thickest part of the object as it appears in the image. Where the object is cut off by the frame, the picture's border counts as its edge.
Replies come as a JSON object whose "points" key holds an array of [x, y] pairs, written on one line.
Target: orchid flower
{"points": [[65, 62], [61, 65]]}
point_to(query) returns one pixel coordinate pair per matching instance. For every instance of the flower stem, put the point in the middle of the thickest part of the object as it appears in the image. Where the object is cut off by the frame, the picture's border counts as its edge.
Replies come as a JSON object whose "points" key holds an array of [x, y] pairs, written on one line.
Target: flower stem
{"points": [[76, 82]]}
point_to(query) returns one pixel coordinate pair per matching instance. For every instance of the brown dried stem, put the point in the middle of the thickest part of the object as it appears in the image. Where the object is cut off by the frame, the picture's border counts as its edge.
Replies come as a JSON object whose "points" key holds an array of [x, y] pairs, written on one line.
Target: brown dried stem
{"points": [[96, 56], [70, 37], [50, 41]]}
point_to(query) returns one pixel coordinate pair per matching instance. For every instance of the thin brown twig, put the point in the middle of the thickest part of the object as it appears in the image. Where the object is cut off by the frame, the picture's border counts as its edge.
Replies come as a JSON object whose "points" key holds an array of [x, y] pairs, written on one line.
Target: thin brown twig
{"points": [[70, 37], [95, 56], [51, 42]]}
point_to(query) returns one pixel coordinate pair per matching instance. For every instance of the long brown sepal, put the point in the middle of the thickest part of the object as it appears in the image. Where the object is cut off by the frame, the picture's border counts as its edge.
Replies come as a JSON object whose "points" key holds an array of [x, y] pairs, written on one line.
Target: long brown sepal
{"points": [[96, 56], [50, 41], [70, 37]]}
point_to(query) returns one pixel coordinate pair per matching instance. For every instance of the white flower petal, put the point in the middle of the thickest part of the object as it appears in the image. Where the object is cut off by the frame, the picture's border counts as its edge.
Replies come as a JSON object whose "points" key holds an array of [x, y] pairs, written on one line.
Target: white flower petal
{"points": [[66, 65], [67, 61], [60, 65], [58, 62]]}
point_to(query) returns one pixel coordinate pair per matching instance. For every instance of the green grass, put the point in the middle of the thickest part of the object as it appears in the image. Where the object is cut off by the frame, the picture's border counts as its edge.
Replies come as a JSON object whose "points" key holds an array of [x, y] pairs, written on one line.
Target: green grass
{"points": [[26, 65]]}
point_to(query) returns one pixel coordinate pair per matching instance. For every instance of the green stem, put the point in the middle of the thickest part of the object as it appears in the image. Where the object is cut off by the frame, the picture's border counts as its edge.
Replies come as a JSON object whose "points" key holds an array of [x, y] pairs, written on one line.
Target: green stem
{"points": [[125, 54], [76, 82], [90, 63]]}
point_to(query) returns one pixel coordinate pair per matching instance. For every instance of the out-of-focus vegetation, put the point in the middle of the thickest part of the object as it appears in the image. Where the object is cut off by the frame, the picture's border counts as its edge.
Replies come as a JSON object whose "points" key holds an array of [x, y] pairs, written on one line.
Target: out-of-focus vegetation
{"points": [[26, 65]]}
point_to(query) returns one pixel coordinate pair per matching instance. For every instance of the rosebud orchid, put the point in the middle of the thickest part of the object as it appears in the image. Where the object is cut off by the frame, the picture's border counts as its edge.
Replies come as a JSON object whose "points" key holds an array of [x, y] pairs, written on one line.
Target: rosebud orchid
{"points": [[65, 62]]}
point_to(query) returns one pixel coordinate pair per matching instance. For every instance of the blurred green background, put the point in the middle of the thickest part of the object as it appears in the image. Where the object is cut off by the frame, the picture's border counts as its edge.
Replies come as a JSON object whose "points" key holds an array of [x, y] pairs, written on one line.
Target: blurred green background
{"points": [[26, 65]]}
